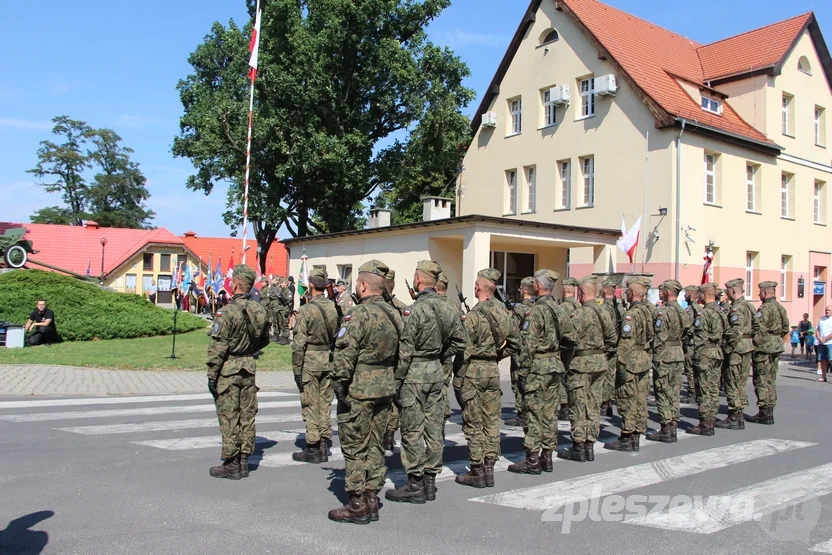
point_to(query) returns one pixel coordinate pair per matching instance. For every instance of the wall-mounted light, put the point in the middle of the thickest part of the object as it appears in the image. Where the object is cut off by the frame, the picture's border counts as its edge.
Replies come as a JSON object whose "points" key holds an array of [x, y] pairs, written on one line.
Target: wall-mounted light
{"points": [[662, 211]]}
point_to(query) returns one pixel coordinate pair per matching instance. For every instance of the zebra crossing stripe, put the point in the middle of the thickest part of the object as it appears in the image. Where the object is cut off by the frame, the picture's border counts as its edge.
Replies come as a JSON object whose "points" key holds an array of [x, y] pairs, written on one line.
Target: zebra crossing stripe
{"points": [[188, 443], [720, 512], [556, 494], [823, 547], [125, 400]]}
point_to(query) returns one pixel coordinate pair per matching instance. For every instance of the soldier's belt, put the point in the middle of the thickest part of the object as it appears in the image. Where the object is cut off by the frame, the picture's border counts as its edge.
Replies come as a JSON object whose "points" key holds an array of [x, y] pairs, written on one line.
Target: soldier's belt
{"points": [[588, 352], [424, 358], [234, 356], [310, 347], [547, 354], [361, 367], [488, 358]]}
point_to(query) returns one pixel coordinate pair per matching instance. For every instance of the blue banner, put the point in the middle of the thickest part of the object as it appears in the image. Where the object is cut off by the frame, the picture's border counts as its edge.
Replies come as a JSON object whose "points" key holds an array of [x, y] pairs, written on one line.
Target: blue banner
{"points": [[820, 288]]}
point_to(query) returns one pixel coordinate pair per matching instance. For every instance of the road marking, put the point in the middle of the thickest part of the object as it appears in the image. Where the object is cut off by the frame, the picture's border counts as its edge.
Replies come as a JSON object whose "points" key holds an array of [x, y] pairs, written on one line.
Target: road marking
{"points": [[188, 443], [146, 411], [824, 547], [539, 498], [769, 496], [124, 400]]}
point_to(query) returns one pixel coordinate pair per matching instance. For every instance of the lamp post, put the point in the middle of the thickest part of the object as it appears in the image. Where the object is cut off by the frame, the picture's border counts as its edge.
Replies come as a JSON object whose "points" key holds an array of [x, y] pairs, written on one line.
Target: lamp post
{"points": [[103, 244]]}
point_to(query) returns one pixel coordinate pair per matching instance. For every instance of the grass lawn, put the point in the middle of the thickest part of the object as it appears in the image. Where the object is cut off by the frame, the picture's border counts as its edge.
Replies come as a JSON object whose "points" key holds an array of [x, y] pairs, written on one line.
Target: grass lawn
{"points": [[147, 353]]}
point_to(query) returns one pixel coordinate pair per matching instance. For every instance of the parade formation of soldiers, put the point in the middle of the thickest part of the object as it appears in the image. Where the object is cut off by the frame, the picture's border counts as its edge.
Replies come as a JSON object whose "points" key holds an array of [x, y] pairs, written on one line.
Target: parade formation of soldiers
{"points": [[392, 366]]}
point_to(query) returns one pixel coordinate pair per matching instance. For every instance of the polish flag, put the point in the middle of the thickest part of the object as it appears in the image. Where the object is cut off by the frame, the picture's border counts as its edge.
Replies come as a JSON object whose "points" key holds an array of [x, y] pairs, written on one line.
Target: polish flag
{"points": [[706, 270], [254, 45], [228, 274], [629, 238]]}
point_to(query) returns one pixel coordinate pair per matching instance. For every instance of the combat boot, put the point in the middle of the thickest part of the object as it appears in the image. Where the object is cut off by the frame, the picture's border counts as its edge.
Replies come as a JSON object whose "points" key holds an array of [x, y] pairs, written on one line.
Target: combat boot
{"points": [[589, 449], [546, 464], [529, 465], [704, 428], [475, 478], [372, 503], [244, 465], [390, 440], [489, 472], [733, 421], [412, 492], [664, 435], [673, 427], [635, 441], [230, 469], [326, 443], [430, 487], [516, 421], [357, 511], [763, 416], [623, 443], [575, 453], [312, 454]]}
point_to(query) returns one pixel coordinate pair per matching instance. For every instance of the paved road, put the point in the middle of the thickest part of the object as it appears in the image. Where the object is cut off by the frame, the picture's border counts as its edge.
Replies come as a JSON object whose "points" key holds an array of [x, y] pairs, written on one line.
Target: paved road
{"points": [[130, 475]]}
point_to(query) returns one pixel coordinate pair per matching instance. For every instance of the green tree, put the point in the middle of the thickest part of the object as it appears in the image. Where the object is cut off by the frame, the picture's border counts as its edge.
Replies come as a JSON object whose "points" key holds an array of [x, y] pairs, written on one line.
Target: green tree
{"points": [[117, 194], [335, 78]]}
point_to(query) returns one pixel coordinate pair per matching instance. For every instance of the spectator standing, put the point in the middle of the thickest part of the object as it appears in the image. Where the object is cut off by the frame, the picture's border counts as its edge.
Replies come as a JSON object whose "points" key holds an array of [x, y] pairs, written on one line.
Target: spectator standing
{"points": [[794, 338], [151, 291], [804, 327], [810, 344], [824, 339], [41, 325]]}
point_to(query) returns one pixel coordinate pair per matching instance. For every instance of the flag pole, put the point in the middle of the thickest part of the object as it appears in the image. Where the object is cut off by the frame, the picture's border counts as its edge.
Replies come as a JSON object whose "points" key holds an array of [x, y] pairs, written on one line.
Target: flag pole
{"points": [[646, 167], [254, 47]]}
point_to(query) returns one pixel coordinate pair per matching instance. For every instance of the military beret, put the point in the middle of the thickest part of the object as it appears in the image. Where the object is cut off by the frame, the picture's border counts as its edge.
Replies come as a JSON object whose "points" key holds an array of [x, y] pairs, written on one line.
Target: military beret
{"points": [[768, 285], [709, 285], [588, 279], [491, 275], [443, 279], [376, 267], [554, 276], [244, 274], [341, 282], [317, 273], [570, 282], [738, 282], [429, 267], [527, 282], [391, 275], [692, 289], [609, 283], [644, 281], [671, 285]]}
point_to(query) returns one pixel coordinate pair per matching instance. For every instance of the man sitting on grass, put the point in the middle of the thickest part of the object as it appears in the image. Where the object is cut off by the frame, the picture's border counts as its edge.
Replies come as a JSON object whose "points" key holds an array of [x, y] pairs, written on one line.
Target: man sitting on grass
{"points": [[41, 325]]}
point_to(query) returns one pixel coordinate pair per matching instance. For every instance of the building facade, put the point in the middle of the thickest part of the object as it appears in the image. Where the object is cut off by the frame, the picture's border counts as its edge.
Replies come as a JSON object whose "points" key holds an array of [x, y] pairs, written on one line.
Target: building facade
{"points": [[595, 116]]}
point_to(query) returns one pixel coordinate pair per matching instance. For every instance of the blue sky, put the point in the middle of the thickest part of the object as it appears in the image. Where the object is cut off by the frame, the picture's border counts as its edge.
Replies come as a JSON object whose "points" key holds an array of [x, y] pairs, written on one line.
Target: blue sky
{"points": [[116, 64]]}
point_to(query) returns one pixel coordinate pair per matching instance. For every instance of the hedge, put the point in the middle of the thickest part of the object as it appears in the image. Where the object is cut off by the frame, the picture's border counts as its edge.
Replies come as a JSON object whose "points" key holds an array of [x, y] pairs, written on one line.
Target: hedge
{"points": [[84, 311]]}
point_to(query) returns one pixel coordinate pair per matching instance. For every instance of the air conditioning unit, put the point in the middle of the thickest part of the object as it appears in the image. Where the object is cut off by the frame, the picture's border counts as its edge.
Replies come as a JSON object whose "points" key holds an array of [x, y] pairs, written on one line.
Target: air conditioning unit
{"points": [[559, 95], [605, 85], [489, 119]]}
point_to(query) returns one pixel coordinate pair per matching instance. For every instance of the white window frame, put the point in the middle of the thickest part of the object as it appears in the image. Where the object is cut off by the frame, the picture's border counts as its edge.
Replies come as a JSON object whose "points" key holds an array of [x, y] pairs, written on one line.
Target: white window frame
{"points": [[817, 125], [515, 110], [820, 125], [550, 111], [816, 273], [531, 188], [511, 199], [785, 113], [817, 198], [751, 187], [711, 105], [710, 159], [588, 175], [784, 270], [565, 173], [749, 273], [785, 180], [587, 90]]}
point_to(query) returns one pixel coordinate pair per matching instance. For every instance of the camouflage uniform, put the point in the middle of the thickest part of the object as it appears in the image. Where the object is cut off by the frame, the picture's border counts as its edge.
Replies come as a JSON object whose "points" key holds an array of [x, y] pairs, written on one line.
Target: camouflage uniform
{"points": [[572, 305], [672, 330], [768, 344], [742, 327], [393, 419], [316, 324], [492, 336], [522, 311], [615, 311], [448, 362], [366, 350], [285, 305], [268, 299], [709, 329], [239, 330]]}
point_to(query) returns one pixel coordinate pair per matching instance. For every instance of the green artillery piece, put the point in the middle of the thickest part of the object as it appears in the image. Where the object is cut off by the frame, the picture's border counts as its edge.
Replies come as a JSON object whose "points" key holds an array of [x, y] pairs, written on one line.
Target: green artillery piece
{"points": [[14, 249]]}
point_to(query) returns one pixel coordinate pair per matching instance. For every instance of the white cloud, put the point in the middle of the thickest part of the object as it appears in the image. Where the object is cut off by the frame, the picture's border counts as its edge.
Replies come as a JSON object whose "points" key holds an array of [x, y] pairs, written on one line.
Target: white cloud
{"points": [[25, 123], [459, 38]]}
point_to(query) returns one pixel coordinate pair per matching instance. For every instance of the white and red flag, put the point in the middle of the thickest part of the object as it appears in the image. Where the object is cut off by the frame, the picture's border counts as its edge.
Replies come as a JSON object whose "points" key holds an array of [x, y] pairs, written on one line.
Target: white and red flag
{"points": [[254, 45], [706, 270], [227, 284], [629, 238]]}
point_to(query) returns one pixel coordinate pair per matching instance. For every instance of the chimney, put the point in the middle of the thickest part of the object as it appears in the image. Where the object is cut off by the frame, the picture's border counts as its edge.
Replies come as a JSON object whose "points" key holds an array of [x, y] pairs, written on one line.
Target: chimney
{"points": [[89, 224], [379, 217], [190, 235], [436, 208]]}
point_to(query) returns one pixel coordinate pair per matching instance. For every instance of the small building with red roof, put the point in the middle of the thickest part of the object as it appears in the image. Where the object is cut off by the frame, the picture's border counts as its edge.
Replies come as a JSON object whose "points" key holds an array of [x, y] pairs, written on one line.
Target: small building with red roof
{"points": [[220, 250]]}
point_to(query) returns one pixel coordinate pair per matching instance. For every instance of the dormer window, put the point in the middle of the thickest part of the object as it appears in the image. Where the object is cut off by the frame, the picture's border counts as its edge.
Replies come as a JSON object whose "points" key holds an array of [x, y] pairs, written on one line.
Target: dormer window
{"points": [[712, 105], [549, 35], [804, 66]]}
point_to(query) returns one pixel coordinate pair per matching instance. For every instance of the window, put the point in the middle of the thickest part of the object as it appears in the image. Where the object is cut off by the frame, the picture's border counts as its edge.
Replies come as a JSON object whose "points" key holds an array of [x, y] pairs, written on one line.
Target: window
{"points": [[710, 178], [785, 195], [817, 273], [549, 35], [750, 259], [565, 170], [511, 190], [550, 111], [820, 126], [588, 170], [147, 261], [345, 273], [164, 266], [711, 105], [130, 283], [587, 88], [787, 114], [803, 65], [819, 202], [751, 187], [785, 262], [515, 108], [531, 179]]}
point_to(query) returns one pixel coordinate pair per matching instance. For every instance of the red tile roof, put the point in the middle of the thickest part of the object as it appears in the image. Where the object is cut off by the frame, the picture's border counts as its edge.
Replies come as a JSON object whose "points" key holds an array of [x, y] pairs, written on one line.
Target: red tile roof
{"points": [[223, 248]]}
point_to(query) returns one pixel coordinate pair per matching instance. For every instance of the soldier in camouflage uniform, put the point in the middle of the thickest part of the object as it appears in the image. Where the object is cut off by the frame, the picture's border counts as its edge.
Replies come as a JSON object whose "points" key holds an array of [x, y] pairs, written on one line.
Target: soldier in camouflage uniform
{"points": [[673, 328], [692, 311], [615, 311], [363, 381], [285, 305], [238, 332], [768, 344], [546, 329], [315, 327], [432, 332], [570, 299], [709, 330], [521, 311], [492, 336], [342, 297], [393, 420], [742, 327], [268, 299], [448, 362]]}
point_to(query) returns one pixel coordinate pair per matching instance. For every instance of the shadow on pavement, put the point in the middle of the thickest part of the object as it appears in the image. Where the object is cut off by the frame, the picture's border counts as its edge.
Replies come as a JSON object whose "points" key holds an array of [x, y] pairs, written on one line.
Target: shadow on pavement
{"points": [[17, 538]]}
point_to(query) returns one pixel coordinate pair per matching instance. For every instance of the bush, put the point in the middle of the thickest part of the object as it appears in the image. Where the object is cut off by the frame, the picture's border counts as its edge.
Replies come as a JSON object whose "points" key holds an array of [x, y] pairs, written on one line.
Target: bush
{"points": [[83, 311]]}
